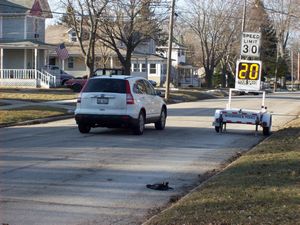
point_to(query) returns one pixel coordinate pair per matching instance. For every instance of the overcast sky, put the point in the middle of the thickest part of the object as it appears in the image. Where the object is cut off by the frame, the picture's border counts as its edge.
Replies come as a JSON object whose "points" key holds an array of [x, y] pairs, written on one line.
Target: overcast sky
{"points": [[55, 7]]}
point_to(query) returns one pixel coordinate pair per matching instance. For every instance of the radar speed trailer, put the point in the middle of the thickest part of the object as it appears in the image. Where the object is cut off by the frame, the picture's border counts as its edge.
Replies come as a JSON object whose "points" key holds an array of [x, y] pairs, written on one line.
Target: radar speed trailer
{"points": [[248, 76]]}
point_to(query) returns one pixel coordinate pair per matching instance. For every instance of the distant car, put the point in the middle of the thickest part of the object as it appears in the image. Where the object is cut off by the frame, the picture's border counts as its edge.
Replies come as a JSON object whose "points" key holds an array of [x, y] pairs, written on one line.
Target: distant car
{"points": [[77, 84], [119, 101], [154, 83], [61, 75]]}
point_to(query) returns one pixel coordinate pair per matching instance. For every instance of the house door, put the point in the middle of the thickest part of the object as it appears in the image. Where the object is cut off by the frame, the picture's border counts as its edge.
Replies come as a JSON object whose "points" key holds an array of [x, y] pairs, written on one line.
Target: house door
{"points": [[52, 61]]}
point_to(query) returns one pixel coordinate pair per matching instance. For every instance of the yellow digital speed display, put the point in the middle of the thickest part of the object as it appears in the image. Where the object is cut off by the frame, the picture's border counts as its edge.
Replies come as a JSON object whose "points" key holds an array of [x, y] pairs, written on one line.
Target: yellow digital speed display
{"points": [[248, 75], [249, 71]]}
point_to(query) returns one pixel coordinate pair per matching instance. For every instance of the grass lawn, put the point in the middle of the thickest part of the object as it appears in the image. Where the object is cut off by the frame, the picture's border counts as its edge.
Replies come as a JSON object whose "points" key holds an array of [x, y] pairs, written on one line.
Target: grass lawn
{"points": [[261, 187], [29, 113], [36, 94], [188, 95]]}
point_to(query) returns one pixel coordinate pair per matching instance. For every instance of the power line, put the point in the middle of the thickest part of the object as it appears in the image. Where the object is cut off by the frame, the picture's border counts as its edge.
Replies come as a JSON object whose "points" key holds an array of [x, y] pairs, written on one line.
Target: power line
{"points": [[63, 13]]}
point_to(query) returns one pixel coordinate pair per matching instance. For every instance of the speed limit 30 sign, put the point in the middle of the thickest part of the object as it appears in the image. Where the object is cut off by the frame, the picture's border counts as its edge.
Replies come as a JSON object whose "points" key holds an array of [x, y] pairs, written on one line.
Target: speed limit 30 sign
{"points": [[250, 44]]}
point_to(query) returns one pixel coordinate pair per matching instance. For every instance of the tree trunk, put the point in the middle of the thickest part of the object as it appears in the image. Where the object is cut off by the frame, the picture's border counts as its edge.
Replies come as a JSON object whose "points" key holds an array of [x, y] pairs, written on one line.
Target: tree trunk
{"points": [[127, 62], [223, 78], [89, 63], [127, 67], [209, 72]]}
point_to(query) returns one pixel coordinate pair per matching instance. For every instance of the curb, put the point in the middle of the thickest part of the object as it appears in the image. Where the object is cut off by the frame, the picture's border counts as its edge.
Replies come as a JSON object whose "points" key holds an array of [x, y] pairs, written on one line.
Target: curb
{"points": [[39, 121]]}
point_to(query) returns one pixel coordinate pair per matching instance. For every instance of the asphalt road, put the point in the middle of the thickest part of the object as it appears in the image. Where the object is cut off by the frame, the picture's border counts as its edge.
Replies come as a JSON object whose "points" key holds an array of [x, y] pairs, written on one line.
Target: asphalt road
{"points": [[51, 174]]}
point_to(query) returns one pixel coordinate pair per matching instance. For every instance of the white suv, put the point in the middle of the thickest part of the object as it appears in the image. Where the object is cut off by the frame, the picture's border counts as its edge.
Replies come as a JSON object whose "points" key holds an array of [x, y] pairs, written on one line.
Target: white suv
{"points": [[119, 101]]}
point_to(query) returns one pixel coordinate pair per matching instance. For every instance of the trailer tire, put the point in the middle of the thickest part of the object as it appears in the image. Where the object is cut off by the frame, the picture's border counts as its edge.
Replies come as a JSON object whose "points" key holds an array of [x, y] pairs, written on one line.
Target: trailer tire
{"points": [[266, 131], [217, 129]]}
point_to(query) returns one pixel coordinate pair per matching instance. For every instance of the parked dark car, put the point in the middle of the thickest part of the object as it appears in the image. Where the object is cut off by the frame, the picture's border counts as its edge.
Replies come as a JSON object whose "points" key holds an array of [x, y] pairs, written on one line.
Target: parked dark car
{"points": [[60, 75], [77, 84], [154, 83]]}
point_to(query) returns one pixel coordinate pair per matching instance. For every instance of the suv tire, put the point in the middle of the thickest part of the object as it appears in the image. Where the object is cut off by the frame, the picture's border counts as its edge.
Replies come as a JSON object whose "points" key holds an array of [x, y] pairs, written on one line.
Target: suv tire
{"points": [[139, 127], [161, 123], [84, 128]]}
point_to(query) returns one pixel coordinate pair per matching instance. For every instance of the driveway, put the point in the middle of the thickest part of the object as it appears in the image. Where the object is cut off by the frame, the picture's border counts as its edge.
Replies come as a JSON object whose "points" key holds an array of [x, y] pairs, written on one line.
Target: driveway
{"points": [[52, 174]]}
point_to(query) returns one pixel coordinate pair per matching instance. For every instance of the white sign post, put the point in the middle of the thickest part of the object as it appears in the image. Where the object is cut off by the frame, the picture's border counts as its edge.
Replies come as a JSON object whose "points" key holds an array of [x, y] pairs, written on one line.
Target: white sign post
{"points": [[250, 44]]}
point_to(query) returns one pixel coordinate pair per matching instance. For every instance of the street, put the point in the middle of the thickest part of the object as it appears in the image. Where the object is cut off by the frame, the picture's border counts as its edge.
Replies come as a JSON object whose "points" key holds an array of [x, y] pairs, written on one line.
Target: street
{"points": [[52, 174]]}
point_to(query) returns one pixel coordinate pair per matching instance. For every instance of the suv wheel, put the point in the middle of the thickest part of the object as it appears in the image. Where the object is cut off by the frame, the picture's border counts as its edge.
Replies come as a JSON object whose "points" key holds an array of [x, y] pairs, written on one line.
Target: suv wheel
{"points": [[160, 125], [139, 127], [84, 128]]}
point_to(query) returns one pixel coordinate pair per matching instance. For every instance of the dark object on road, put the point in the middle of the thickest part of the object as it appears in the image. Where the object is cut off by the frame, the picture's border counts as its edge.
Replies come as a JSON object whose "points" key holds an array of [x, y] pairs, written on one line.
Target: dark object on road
{"points": [[160, 186]]}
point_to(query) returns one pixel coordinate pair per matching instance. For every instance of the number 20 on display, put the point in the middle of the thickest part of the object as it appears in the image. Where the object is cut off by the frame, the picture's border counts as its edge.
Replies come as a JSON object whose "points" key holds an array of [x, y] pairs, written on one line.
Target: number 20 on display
{"points": [[249, 70]]}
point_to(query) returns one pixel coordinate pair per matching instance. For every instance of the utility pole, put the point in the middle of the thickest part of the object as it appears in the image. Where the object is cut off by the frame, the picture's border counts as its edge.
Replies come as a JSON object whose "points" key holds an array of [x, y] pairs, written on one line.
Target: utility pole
{"points": [[292, 69], [243, 23], [298, 70], [169, 63], [244, 16]]}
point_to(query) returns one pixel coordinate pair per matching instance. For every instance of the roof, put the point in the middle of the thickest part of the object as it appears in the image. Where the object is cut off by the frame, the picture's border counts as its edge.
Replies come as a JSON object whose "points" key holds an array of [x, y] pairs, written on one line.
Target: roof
{"points": [[24, 7], [25, 44]]}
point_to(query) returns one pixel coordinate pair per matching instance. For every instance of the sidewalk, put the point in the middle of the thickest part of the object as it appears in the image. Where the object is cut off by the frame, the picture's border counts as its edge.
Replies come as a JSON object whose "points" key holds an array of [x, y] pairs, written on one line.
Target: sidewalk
{"points": [[14, 104]]}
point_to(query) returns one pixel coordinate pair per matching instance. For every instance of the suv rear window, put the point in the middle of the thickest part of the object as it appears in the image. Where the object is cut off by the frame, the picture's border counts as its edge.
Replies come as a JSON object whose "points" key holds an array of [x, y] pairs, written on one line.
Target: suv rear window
{"points": [[105, 85]]}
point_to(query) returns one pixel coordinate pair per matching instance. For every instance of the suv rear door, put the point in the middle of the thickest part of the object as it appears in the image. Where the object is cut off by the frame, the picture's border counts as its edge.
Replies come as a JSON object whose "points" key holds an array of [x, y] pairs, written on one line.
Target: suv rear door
{"points": [[104, 96], [155, 100]]}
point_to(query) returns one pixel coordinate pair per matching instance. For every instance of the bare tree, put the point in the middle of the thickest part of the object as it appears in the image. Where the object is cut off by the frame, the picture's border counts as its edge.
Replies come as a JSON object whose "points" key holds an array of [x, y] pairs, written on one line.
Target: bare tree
{"points": [[217, 28], [105, 55], [83, 16], [126, 24], [285, 15]]}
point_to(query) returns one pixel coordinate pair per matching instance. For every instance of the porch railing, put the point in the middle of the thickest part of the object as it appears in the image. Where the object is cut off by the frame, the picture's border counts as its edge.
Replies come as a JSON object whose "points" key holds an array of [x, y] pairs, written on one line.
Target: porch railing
{"points": [[45, 79], [18, 74], [26, 77]]}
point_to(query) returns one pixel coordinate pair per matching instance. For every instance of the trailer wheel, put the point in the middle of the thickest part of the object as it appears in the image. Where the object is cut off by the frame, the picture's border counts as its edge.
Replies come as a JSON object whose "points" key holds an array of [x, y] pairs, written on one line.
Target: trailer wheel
{"points": [[217, 129], [266, 131]]}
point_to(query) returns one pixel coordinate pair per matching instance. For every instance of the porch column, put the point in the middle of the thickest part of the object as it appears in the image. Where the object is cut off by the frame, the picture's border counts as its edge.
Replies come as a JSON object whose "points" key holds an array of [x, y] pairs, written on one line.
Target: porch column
{"points": [[35, 62], [25, 59], [146, 65], [1, 56], [111, 62], [46, 56]]}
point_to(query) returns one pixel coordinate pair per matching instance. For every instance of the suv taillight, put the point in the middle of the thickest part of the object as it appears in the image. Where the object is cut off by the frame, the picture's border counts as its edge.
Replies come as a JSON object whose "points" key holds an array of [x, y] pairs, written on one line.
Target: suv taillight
{"points": [[129, 97]]}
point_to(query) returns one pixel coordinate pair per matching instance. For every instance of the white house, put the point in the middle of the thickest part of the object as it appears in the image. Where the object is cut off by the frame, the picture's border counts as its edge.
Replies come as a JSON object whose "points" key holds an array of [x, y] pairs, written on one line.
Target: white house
{"points": [[145, 61], [23, 50], [182, 74]]}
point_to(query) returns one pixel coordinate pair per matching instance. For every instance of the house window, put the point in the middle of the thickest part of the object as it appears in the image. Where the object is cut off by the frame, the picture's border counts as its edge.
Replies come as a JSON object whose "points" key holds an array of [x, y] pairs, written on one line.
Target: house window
{"points": [[36, 28], [144, 68], [73, 37], [70, 62], [136, 67], [152, 68]]}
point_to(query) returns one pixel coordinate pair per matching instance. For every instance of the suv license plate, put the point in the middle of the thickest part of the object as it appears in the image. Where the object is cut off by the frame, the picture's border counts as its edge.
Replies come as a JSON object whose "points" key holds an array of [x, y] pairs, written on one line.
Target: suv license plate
{"points": [[102, 100]]}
